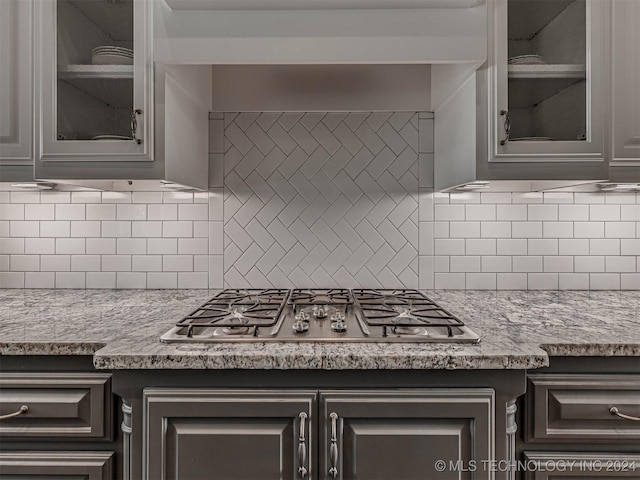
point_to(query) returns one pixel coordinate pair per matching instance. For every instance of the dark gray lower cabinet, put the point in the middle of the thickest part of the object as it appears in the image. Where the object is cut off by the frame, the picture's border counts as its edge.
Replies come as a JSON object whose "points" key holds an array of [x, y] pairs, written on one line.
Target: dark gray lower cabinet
{"points": [[581, 466], [192, 434], [56, 465]]}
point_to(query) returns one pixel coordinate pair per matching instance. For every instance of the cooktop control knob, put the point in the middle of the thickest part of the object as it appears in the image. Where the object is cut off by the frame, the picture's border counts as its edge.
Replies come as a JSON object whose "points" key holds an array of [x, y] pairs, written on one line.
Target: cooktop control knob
{"points": [[300, 327]]}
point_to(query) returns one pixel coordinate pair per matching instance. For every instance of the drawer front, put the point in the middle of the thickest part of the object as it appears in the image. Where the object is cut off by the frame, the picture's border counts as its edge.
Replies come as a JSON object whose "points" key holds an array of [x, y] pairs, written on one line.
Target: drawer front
{"points": [[60, 405], [580, 466], [56, 465], [577, 408]]}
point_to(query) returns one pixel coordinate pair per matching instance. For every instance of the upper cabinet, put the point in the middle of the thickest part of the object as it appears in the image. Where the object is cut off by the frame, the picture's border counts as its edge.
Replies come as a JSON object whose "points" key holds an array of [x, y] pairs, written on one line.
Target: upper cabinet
{"points": [[94, 81], [16, 90], [546, 84], [626, 88]]}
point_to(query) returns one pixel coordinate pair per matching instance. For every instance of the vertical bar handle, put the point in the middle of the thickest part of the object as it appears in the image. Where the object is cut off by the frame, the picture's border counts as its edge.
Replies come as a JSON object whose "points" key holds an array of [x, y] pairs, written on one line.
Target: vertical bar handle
{"points": [[507, 126], [134, 124], [302, 446], [333, 449]]}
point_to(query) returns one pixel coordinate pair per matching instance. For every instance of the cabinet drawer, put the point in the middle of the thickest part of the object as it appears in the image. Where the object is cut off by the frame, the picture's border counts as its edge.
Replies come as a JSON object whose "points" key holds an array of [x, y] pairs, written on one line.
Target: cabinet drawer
{"points": [[60, 405], [58, 465], [581, 466], [577, 408]]}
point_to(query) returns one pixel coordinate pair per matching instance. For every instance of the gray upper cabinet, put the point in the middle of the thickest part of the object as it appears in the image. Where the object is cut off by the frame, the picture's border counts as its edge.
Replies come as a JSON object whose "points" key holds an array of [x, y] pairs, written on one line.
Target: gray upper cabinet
{"points": [[94, 80], [546, 84], [626, 87], [401, 435], [16, 90]]}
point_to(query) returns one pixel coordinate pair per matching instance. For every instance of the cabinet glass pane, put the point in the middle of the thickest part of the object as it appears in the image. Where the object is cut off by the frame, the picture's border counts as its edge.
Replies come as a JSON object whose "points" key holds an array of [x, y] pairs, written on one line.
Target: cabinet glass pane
{"points": [[95, 69], [546, 70]]}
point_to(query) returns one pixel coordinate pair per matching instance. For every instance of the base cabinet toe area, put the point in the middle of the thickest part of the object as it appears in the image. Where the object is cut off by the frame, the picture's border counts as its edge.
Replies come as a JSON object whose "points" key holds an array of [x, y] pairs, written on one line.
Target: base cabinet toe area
{"points": [[214, 434]]}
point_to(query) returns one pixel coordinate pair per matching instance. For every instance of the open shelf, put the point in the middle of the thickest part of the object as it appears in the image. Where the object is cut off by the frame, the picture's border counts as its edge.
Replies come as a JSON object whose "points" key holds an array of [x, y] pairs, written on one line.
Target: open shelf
{"points": [[70, 72], [546, 71]]}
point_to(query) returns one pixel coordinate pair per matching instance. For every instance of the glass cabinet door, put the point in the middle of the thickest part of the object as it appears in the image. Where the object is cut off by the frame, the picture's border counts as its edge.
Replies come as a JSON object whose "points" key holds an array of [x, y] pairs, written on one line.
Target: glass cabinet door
{"points": [[548, 56], [94, 80]]}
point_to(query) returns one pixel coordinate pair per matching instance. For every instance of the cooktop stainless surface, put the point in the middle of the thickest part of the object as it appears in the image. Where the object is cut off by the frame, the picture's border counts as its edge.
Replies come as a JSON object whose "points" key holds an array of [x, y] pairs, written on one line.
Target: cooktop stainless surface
{"points": [[320, 315]]}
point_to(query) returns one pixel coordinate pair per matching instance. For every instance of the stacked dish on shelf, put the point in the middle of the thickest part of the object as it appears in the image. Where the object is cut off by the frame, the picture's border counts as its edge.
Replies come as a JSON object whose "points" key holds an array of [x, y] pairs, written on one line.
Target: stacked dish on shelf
{"points": [[526, 60], [110, 55]]}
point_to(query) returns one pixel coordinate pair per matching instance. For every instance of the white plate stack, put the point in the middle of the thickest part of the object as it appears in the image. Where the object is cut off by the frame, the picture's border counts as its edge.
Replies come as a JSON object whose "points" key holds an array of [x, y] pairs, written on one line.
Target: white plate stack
{"points": [[109, 55]]}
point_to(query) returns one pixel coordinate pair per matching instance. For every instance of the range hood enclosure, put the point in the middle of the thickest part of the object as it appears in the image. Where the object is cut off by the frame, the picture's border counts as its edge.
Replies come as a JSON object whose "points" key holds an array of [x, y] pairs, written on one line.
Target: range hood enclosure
{"points": [[315, 4], [327, 36]]}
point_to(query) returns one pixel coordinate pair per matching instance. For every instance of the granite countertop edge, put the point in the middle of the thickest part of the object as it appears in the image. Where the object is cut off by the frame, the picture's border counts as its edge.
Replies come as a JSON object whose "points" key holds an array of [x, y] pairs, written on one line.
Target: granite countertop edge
{"points": [[519, 330]]}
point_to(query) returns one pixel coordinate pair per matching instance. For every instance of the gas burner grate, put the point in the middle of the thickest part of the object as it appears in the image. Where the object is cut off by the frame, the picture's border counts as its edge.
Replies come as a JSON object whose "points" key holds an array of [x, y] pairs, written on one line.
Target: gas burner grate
{"points": [[403, 308], [320, 296], [237, 310]]}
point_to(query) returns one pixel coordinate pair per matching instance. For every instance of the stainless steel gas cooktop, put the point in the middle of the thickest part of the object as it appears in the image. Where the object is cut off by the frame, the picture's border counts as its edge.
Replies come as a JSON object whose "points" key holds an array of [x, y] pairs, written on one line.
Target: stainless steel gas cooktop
{"points": [[320, 315]]}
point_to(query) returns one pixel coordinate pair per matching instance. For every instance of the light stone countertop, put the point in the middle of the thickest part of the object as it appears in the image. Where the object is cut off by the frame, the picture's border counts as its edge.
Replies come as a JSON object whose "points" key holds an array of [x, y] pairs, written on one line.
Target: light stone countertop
{"points": [[121, 328]]}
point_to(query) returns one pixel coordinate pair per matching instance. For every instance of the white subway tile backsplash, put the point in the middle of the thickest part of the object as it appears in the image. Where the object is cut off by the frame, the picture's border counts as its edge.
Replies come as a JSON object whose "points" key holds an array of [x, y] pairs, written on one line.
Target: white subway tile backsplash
{"points": [[9, 246], [558, 264], [200, 229], [131, 212], [193, 246], [177, 263], [558, 197], [24, 197], [605, 247], [620, 264], [542, 281], [142, 229], [116, 263], [101, 246], [163, 212], [55, 228], [4, 228], [542, 246], [450, 281], [197, 211], [629, 246], [131, 280], [511, 281], [162, 280], [464, 197], [511, 212], [5, 197], [101, 280], [630, 281], [496, 264], [449, 246], [177, 229], [480, 212], [447, 212], [55, 263], [630, 213], [101, 212], [609, 213], [573, 281], [440, 229], [25, 263], [85, 229], [464, 229], [116, 197], [573, 246], [39, 212], [588, 229], [31, 228], [481, 281], [177, 197], [16, 212], [55, 197], [146, 263], [162, 246], [542, 212], [557, 229], [496, 229], [527, 197], [464, 264], [39, 280], [146, 197], [69, 246], [490, 197], [589, 264], [573, 213], [85, 263], [131, 246], [40, 246], [485, 246], [193, 280], [116, 228], [86, 197], [71, 211], [588, 197], [528, 264], [526, 229], [604, 281], [511, 246], [619, 198], [12, 279], [620, 230]]}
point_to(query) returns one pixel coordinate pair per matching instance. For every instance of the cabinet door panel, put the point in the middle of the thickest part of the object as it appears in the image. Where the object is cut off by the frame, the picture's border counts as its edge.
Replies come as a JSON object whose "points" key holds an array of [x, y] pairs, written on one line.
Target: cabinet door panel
{"points": [[626, 81], [56, 465], [15, 82], [401, 435], [581, 466], [227, 435]]}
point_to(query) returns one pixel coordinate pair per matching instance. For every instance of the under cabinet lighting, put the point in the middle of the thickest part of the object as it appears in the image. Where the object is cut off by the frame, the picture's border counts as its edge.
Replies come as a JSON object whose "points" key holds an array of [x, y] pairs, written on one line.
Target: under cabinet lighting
{"points": [[619, 187], [173, 186], [471, 186], [34, 185]]}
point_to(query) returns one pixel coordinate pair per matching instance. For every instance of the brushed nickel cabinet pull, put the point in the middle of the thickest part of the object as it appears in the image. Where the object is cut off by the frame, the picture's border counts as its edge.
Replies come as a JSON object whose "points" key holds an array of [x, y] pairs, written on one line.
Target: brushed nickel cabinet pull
{"points": [[333, 450], [302, 446], [616, 412], [23, 409], [134, 125], [507, 126]]}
